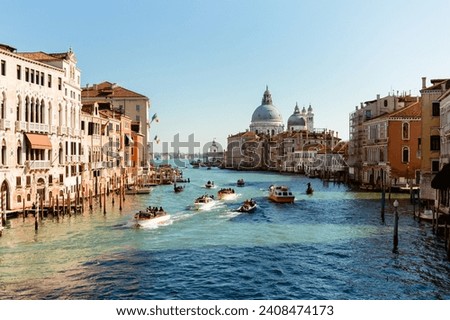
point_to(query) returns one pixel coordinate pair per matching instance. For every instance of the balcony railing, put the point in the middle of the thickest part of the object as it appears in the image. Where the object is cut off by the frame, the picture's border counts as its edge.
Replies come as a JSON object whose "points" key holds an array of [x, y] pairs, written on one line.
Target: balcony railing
{"points": [[5, 124], [21, 126], [38, 127], [62, 130], [37, 164]]}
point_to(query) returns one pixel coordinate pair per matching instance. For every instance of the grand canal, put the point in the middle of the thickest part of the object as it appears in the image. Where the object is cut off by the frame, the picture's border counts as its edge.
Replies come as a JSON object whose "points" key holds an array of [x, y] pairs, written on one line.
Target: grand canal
{"points": [[332, 245]]}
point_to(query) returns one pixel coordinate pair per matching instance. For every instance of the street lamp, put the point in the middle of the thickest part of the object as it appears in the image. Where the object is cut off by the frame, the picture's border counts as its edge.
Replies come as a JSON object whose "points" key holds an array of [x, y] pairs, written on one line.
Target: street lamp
{"points": [[395, 249]]}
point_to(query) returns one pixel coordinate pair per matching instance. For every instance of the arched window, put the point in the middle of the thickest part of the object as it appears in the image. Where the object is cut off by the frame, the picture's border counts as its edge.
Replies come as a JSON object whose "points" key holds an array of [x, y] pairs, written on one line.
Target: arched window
{"points": [[61, 154], [32, 110], [49, 112], [405, 154], [19, 153], [19, 109], [27, 109], [3, 152], [42, 112], [60, 113], [405, 131], [2, 106]]}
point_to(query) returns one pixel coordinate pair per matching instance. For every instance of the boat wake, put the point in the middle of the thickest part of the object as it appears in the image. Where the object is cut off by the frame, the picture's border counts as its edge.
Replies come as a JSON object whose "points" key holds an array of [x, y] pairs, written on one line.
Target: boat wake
{"points": [[151, 223]]}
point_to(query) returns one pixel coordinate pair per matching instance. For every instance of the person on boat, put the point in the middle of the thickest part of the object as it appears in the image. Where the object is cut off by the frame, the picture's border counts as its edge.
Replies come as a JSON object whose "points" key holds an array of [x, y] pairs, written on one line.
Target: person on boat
{"points": [[309, 190]]}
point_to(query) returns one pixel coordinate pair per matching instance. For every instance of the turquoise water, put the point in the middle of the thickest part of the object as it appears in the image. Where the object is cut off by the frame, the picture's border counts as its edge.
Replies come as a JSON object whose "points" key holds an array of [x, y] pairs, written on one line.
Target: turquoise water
{"points": [[331, 245]]}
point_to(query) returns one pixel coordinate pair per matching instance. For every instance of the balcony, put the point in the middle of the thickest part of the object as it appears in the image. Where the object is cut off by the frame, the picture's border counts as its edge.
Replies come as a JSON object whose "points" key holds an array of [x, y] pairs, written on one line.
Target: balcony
{"points": [[37, 127], [21, 126], [37, 164], [5, 124], [62, 130]]}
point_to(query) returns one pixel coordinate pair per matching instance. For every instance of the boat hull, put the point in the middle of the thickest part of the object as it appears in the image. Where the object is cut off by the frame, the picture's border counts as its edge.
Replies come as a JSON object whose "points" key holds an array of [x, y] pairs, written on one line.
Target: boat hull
{"points": [[153, 222], [281, 199]]}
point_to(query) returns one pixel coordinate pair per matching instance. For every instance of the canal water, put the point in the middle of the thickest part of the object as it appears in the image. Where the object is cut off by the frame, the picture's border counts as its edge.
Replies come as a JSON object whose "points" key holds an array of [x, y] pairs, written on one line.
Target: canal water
{"points": [[331, 245]]}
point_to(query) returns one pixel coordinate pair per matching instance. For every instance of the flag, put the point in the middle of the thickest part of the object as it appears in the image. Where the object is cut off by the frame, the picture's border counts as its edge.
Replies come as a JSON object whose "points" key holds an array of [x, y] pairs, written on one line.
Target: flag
{"points": [[156, 139], [155, 117]]}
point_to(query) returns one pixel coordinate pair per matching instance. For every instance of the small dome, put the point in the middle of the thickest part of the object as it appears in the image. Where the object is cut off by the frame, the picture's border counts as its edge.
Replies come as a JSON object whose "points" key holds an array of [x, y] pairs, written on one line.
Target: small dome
{"points": [[296, 119]]}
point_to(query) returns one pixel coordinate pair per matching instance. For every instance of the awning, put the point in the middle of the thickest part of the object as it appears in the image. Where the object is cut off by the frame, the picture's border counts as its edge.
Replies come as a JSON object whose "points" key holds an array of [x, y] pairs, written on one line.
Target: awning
{"points": [[38, 141], [128, 140]]}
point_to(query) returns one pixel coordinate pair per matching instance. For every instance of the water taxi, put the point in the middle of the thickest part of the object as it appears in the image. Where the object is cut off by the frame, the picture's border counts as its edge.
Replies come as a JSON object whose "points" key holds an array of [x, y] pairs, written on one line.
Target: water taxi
{"points": [[150, 217], [204, 202], [248, 206], [226, 194], [281, 194]]}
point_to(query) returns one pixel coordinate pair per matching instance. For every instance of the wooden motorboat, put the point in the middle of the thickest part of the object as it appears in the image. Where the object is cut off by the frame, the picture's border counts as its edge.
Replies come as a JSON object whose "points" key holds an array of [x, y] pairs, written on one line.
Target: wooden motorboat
{"points": [[150, 216], [209, 184], [240, 183], [204, 202], [177, 189], [247, 206], [226, 194]]}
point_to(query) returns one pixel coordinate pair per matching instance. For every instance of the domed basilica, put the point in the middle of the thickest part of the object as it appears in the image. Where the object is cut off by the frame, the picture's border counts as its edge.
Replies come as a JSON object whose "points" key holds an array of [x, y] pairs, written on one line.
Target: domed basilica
{"points": [[267, 119]]}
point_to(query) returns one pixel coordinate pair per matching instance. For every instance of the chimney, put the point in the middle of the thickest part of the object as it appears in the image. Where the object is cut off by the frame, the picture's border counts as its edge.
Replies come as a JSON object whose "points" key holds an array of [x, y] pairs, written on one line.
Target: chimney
{"points": [[378, 96], [424, 82]]}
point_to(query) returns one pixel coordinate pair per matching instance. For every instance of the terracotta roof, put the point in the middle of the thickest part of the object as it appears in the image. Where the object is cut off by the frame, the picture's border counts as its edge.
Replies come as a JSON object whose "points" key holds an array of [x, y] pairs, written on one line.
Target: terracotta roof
{"points": [[437, 84], [413, 110], [110, 90], [42, 56]]}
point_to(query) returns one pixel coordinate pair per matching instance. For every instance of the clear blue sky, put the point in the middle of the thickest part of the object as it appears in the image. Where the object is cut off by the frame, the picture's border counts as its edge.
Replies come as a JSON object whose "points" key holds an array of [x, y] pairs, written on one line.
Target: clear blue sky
{"points": [[205, 64]]}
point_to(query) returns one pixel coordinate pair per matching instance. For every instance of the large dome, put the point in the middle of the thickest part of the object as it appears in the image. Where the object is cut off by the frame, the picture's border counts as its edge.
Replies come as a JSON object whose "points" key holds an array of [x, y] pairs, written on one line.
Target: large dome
{"points": [[266, 112], [266, 118]]}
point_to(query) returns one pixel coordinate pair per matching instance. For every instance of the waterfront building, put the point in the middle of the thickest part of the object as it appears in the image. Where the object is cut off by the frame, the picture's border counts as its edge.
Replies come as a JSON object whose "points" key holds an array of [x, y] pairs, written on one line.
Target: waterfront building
{"points": [[358, 135], [442, 196], [306, 151], [431, 134], [391, 148], [244, 151], [40, 105], [134, 105], [100, 143], [266, 146]]}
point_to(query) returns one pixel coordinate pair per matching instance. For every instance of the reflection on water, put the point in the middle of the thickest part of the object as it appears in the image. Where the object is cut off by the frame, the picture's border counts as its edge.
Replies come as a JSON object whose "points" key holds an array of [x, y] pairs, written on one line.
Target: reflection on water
{"points": [[331, 245]]}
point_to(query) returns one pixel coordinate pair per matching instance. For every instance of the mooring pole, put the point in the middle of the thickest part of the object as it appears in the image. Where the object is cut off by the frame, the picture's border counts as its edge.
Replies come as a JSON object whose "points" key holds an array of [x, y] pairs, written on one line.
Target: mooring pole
{"points": [[395, 249], [383, 197]]}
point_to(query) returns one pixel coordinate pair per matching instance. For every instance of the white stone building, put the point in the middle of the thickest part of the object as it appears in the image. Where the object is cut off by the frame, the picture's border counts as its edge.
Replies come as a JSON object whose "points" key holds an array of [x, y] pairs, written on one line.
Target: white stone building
{"points": [[40, 103]]}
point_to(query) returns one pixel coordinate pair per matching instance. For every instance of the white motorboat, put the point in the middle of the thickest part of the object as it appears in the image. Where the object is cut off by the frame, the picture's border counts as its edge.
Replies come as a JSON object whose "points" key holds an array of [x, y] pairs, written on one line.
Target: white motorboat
{"points": [[204, 202], [150, 218]]}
